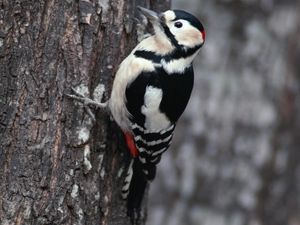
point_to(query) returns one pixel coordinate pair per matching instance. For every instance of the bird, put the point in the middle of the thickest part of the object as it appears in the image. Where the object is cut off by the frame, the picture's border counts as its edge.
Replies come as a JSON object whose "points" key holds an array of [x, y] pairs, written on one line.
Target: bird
{"points": [[150, 91]]}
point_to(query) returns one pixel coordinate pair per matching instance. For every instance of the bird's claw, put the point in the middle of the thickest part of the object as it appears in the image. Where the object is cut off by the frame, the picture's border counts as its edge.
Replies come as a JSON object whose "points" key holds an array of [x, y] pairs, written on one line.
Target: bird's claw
{"points": [[87, 102]]}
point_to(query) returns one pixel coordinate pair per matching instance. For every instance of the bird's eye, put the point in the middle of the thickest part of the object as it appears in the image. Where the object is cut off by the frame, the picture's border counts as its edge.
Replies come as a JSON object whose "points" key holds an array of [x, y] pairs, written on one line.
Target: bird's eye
{"points": [[178, 24]]}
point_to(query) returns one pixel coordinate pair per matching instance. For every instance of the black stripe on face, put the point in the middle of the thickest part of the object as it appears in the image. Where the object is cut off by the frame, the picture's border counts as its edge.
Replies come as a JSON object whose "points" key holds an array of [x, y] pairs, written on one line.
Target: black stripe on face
{"points": [[171, 36]]}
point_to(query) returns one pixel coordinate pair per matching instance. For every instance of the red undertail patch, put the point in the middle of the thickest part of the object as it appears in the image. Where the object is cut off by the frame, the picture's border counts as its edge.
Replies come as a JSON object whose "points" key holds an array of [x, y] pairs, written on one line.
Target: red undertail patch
{"points": [[130, 144]]}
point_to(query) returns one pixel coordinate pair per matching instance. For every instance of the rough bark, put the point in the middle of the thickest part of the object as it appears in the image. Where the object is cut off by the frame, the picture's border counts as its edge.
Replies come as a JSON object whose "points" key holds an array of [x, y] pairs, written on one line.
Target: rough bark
{"points": [[57, 166]]}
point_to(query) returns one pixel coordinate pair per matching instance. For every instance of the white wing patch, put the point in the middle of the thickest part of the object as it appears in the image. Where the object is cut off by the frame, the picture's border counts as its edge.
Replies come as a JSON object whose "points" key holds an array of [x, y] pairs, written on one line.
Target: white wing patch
{"points": [[155, 119]]}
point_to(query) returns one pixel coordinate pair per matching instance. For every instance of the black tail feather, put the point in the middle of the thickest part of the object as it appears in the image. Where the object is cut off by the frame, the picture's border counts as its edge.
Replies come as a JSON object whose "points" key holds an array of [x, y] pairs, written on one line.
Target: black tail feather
{"points": [[137, 188]]}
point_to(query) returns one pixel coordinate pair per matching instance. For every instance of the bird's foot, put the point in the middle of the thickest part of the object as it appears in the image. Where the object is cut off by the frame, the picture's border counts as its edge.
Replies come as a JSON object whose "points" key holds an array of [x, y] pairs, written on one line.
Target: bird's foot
{"points": [[89, 103]]}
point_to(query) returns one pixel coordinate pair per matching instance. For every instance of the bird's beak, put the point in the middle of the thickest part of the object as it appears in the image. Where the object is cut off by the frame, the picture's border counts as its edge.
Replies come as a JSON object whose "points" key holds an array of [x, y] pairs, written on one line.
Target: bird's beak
{"points": [[149, 14]]}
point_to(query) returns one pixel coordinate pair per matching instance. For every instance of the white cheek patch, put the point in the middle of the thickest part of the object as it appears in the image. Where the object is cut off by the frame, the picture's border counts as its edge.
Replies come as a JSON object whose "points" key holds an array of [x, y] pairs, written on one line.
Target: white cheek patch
{"points": [[155, 119], [187, 35]]}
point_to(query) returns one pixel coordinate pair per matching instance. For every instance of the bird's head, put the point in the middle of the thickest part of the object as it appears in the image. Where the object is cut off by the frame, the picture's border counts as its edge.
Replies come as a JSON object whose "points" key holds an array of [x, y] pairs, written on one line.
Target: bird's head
{"points": [[182, 29]]}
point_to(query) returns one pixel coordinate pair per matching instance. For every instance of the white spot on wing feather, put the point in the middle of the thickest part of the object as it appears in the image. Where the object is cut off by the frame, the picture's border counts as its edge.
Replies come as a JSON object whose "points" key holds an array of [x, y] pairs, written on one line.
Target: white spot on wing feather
{"points": [[153, 143], [159, 152], [134, 126]]}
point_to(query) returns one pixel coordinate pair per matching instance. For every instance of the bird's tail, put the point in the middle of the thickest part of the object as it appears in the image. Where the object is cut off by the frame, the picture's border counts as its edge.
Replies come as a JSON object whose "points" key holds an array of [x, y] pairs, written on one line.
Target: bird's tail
{"points": [[134, 187]]}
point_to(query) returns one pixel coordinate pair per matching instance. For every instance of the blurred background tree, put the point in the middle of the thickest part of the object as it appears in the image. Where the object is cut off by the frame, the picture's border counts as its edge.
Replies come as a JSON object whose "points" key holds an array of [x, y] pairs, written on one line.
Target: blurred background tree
{"points": [[235, 159]]}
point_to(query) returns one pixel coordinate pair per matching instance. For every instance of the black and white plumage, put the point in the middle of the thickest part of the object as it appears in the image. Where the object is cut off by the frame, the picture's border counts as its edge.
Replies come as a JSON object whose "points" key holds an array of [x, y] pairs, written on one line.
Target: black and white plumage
{"points": [[150, 92]]}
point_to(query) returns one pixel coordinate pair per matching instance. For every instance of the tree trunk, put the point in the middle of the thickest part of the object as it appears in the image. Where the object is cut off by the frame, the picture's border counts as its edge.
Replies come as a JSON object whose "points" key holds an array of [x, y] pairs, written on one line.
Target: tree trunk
{"points": [[57, 166]]}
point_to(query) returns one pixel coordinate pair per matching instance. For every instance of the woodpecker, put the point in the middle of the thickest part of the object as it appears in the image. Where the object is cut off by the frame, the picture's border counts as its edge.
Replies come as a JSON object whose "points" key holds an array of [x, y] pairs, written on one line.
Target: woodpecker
{"points": [[151, 90]]}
